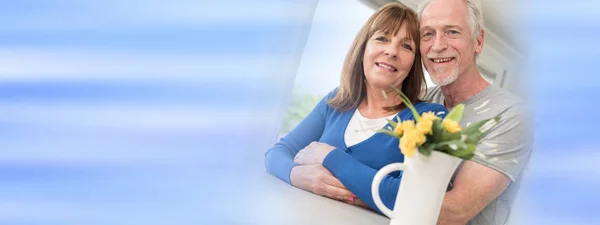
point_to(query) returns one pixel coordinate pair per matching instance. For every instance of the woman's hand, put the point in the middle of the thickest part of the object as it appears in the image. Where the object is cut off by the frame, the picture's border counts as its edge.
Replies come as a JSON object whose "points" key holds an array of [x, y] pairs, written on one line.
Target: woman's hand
{"points": [[357, 202], [314, 153], [317, 179]]}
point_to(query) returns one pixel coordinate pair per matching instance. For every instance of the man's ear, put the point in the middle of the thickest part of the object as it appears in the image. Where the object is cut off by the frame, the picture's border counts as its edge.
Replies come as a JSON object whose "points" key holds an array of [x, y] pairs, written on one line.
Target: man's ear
{"points": [[479, 42]]}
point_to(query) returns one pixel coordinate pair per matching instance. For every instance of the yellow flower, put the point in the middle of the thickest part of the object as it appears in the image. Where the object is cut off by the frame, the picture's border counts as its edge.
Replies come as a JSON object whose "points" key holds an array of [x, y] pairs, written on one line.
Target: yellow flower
{"points": [[402, 127], [420, 138], [407, 146], [416, 136], [426, 122], [408, 125], [451, 126], [428, 116], [398, 129], [424, 126], [411, 139]]}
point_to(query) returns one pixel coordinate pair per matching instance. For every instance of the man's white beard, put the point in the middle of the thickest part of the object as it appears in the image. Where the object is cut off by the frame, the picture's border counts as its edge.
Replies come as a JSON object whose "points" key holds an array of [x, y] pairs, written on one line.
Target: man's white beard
{"points": [[445, 80]]}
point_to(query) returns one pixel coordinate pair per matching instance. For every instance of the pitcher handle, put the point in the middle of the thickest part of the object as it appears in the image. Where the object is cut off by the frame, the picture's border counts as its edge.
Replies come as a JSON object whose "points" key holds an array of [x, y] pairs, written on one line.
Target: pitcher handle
{"points": [[377, 181]]}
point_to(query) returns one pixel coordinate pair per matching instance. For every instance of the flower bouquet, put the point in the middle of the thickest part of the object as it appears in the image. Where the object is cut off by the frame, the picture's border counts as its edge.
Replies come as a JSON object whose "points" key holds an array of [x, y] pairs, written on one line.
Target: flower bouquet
{"points": [[432, 133], [433, 148]]}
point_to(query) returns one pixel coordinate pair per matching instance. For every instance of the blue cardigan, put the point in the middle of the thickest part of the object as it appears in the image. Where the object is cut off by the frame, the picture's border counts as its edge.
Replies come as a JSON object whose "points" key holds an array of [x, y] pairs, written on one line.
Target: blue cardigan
{"points": [[355, 166]]}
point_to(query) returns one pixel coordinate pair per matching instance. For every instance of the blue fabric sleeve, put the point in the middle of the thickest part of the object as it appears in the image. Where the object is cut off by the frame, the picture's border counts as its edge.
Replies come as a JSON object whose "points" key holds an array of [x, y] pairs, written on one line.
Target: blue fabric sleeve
{"points": [[358, 177], [279, 160]]}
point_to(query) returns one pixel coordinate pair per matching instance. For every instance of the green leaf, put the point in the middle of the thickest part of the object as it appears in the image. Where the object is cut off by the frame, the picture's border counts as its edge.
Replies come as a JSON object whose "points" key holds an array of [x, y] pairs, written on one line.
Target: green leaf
{"points": [[437, 131], [447, 136], [461, 152], [426, 149], [456, 113], [408, 104], [446, 144], [465, 153], [393, 123], [428, 139], [389, 132], [474, 133], [471, 128]]}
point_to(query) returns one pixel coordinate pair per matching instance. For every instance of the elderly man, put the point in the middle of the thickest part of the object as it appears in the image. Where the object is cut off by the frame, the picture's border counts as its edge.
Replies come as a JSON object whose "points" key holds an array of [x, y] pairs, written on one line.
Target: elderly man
{"points": [[482, 189]]}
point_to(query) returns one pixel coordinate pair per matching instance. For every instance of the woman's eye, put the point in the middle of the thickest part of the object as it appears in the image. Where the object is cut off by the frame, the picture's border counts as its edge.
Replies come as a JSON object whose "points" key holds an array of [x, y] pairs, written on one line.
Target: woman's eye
{"points": [[407, 46], [381, 38]]}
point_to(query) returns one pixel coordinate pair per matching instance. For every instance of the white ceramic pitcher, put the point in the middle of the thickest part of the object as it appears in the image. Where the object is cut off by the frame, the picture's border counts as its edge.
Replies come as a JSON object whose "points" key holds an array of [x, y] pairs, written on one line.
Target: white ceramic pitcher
{"points": [[422, 188]]}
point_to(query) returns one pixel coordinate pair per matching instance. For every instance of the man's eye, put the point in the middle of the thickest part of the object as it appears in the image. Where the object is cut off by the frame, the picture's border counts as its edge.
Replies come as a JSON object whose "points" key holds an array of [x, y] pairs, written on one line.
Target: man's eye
{"points": [[453, 32], [427, 34]]}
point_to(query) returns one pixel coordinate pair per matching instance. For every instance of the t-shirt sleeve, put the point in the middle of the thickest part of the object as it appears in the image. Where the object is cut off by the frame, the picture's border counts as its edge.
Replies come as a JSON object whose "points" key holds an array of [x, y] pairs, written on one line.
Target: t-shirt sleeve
{"points": [[507, 146]]}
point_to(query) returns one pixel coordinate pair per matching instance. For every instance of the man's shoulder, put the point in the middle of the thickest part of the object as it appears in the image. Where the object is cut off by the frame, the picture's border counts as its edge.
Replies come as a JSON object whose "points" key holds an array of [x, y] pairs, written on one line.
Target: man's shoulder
{"points": [[503, 95], [434, 94], [502, 101], [492, 102]]}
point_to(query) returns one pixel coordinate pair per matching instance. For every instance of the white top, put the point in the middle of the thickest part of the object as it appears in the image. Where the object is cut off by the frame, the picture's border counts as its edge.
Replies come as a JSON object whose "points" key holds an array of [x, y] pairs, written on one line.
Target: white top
{"points": [[360, 128]]}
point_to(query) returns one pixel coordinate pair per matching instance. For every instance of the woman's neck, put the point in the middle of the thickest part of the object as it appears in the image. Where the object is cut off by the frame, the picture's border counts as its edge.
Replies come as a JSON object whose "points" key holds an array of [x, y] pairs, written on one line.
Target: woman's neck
{"points": [[375, 103]]}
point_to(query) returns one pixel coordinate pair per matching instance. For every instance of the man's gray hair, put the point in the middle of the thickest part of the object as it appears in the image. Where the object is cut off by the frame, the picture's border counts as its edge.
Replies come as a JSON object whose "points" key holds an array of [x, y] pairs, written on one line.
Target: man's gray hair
{"points": [[474, 17]]}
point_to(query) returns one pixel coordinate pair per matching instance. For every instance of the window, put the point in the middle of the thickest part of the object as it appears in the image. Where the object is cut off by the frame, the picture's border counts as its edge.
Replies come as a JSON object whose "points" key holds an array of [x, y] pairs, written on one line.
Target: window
{"points": [[335, 24]]}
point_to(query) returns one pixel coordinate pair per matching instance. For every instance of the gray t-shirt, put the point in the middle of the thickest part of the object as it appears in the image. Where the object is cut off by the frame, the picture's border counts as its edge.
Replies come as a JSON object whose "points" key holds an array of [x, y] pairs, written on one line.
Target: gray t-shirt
{"points": [[506, 148]]}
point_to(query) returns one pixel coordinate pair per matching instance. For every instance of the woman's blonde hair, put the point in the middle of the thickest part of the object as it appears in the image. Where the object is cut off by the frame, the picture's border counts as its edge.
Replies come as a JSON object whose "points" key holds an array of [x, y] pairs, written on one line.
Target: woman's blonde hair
{"points": [[389, 18]]}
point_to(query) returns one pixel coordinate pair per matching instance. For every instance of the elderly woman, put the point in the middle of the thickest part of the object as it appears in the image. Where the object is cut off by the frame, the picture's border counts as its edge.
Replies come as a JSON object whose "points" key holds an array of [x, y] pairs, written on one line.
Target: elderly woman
{"points": [[336, 150]]}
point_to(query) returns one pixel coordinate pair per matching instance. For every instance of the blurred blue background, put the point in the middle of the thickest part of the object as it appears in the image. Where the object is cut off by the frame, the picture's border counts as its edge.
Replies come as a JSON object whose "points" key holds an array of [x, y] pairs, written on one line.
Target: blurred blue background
{"points": [[563, 178], [123, 112], [129, 112]]}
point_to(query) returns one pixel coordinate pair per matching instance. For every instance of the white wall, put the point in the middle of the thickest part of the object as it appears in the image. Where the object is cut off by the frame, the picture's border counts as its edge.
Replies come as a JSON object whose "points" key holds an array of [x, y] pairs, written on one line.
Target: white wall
{"points": [[335, 24]]}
